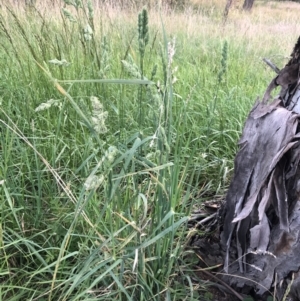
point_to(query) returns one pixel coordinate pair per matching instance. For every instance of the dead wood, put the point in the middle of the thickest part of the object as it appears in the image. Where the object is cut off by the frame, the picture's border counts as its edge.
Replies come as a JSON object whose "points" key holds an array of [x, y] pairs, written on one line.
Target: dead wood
{"points": [[260, 221]]}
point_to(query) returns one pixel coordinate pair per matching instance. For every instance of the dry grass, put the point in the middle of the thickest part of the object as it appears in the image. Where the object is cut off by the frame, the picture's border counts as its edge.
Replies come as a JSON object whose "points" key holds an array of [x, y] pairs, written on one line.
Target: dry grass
{"points": [[269, 21]]}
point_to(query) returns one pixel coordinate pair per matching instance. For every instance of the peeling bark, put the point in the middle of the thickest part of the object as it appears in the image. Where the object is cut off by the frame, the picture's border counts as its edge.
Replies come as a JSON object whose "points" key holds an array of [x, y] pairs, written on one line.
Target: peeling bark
{"points": [[260, 220]]}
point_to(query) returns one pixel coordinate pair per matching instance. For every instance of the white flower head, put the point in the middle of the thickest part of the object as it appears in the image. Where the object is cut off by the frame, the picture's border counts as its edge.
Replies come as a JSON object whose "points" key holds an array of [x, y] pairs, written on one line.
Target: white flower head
{"points": [[87, 32], [93, 182], [48, 104], [171, 51], [111, 153], [98, 116], [88, 29], [153, 140], [57, 62]]}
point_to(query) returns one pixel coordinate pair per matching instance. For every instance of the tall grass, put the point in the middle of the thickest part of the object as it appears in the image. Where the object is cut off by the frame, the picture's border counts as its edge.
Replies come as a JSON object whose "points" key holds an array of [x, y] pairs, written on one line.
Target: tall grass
{"points": [[113, 123]]}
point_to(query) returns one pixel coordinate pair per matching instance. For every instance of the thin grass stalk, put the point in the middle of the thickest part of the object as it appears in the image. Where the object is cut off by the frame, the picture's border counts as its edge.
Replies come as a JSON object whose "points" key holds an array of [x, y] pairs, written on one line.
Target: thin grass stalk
{"points": [[10, 39], [143, 38], [23, 33], [57, 177]]}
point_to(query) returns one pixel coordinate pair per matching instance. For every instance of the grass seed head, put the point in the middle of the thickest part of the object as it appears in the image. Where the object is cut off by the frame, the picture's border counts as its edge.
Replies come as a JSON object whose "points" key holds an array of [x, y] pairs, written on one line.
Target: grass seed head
{"points": [[90, 9], [57, 62], [171, 51], [88, 32], [68, 15], [143, 31], [93, 182], [131, 68], [111, 153], [98, 116], [48, 104], [78, 4]]}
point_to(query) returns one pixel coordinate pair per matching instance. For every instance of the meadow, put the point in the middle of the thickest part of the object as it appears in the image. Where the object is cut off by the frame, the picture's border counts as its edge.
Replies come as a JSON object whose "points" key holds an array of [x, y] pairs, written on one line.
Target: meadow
{"points": [[114, 124]]}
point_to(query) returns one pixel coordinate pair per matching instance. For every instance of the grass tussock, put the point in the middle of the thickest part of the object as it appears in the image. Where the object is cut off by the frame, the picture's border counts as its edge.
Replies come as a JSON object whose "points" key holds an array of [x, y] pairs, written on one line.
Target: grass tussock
{"points": [[113, 123]]}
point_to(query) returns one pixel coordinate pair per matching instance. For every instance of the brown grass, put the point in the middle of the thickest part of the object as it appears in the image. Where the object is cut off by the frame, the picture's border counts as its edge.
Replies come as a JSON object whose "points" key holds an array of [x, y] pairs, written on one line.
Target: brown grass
{"points": [[269, 23]]}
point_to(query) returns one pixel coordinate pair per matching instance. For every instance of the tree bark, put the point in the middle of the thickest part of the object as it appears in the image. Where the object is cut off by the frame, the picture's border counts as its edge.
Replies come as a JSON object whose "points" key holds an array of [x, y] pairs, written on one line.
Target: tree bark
{"points": [[226, 10], [258, 237], [248, 5]]}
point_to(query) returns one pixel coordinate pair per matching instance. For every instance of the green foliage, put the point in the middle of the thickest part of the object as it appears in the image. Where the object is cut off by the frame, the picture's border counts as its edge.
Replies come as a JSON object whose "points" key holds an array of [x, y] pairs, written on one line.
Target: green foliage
{"points": [[110, 130], [87, 213]]}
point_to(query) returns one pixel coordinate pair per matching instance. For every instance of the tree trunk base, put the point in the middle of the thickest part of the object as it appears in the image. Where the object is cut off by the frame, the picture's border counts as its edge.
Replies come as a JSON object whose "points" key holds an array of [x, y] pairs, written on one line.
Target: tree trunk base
{"points": [[257, 229]]}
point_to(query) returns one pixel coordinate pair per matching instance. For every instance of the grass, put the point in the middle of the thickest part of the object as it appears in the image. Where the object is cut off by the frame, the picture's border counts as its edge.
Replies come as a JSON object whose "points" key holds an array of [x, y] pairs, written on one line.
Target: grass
{"points": [[112, 128]]}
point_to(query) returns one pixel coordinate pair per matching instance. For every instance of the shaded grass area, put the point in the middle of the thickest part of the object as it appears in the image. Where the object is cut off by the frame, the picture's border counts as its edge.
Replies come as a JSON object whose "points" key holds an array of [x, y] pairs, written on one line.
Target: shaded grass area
{"points": [[98, 178]]}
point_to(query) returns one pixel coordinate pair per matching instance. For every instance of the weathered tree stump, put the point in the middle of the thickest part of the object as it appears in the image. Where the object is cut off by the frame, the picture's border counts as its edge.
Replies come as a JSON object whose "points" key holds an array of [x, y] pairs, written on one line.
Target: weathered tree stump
{"points": [[259, 223]]}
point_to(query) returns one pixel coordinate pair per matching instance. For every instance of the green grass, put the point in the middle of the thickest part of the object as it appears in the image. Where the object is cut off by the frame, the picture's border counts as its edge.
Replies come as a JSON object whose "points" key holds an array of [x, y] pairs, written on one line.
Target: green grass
{"points": [[103, 157]]}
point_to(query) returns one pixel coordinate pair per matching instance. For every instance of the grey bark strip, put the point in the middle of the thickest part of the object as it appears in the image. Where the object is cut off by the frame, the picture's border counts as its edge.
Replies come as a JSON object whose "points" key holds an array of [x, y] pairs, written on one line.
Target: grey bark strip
{"points": [[261, 215]]}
